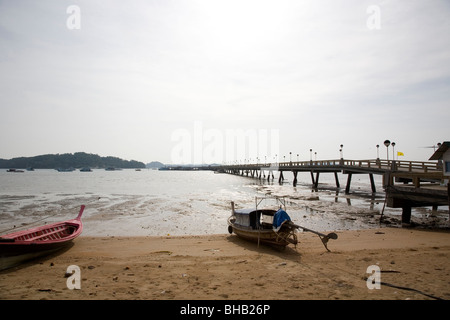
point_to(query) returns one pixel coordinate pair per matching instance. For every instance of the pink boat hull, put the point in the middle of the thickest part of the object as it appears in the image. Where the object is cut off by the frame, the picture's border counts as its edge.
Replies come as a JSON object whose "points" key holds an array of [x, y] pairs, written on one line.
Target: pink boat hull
{"points": [[21, 246]]}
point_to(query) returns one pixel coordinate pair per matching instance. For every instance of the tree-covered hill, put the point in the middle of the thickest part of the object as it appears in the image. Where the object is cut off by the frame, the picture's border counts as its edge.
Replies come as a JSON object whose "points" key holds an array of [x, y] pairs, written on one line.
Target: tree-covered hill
{"points": [[67, 160], [155, 165]]}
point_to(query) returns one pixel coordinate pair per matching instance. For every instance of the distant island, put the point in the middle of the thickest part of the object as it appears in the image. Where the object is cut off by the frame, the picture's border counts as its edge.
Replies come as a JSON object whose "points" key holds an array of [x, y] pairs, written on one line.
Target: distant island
{"points": [[69, 160], [155, 165]]}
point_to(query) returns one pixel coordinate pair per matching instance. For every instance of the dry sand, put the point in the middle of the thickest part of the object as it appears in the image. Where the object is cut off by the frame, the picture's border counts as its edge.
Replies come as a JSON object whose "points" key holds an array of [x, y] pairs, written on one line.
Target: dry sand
{"points": [[414, 265]]}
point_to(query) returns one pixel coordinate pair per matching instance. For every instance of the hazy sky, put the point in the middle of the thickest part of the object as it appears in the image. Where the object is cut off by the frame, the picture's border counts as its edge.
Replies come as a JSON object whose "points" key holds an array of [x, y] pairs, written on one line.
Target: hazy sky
{"points": [[175, 79]]}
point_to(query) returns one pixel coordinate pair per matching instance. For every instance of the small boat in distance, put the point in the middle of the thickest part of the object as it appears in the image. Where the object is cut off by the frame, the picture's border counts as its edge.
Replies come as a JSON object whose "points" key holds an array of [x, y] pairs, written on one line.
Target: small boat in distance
{"points": [[65, 169], [21, 246], [112, 169], [86, 169], [273, 227]]}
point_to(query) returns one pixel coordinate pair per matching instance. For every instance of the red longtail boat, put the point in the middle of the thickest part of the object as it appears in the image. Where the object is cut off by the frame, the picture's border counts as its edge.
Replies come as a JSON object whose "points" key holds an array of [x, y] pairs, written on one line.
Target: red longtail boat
{"points": [[21, 246]]}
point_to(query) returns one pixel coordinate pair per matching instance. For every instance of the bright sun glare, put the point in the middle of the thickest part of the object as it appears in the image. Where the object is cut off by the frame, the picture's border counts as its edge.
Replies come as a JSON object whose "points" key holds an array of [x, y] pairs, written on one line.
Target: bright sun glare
{"points": [[241, 25]]}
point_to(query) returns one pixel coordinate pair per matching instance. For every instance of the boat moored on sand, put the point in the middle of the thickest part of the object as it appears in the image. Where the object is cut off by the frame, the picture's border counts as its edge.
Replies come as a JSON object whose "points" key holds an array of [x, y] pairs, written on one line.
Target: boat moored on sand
{"points": [[271, 226], [21, 246]]}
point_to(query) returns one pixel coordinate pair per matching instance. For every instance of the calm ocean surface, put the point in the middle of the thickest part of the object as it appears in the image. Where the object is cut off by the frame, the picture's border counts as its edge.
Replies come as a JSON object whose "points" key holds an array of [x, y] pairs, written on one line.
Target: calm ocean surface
{"points": [[151, 202]]}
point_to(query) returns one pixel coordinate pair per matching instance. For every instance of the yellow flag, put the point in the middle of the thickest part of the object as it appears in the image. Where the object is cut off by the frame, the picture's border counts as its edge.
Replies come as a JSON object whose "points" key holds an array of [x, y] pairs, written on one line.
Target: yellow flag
{"points": [[399, 153]]}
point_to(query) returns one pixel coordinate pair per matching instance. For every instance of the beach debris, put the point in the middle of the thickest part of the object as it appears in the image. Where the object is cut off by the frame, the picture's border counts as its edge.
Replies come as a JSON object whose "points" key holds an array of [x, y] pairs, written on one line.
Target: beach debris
{"points": [[282, 264], [163, 251], [91, 267], [390, 271]]}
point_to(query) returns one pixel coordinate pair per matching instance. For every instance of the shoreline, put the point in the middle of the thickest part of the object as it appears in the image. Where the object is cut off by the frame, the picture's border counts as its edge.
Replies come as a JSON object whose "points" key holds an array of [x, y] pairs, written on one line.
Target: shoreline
{"points": [[224, 267]]}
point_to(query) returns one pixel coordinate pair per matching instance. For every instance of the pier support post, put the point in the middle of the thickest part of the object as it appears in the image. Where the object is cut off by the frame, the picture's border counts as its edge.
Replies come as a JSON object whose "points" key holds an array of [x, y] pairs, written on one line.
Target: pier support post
{"points": [[337, 180], [349, 181], [406, 215], [281, 178], [448, 194], [312, 178], [316, 184], [295, 178], [372, 183]]}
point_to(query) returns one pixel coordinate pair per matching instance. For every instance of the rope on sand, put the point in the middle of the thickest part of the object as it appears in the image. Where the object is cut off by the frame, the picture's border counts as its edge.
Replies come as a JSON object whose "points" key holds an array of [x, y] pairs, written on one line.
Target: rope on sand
{"points": [[408, 289]]}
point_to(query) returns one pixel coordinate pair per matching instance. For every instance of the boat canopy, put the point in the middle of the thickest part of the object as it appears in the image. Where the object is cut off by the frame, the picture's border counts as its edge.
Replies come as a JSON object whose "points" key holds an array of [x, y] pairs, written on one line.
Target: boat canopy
{"points": [[254, 218], [243, 217], [244, 211]]}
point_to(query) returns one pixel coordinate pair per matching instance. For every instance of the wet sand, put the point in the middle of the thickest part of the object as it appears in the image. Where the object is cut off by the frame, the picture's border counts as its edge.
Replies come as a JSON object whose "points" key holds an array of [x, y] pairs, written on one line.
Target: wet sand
{"points": [[413, 263]]}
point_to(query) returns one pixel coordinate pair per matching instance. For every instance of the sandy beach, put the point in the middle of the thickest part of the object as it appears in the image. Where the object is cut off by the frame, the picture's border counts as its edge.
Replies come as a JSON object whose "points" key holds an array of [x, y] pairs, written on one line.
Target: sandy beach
{"points": [[413, 265]]}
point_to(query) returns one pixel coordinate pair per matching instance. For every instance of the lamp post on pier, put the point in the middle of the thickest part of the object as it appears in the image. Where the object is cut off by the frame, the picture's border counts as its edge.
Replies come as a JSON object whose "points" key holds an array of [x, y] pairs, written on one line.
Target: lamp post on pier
{"points": [[393, 151], [387, 143], [378, 154], [394, 164]]}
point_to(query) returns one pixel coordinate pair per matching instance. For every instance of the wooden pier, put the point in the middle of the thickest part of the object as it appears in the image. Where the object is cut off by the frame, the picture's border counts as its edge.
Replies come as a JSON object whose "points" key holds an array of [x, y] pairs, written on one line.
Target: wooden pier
{"points": [[407, 184]]}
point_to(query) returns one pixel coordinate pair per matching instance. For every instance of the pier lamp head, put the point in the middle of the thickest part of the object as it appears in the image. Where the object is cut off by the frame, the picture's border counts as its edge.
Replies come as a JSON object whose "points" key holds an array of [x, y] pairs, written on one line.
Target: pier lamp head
{"points": [[387, 143]]}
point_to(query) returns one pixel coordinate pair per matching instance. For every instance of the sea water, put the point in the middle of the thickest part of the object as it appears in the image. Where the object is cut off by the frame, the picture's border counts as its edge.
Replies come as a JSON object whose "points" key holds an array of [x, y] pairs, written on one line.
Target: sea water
{"points": [[153, 203]]}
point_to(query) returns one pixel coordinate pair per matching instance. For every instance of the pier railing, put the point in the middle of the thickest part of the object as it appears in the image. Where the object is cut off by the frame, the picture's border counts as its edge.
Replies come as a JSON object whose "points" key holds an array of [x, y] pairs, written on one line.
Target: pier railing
{"points": [[382, 165]]}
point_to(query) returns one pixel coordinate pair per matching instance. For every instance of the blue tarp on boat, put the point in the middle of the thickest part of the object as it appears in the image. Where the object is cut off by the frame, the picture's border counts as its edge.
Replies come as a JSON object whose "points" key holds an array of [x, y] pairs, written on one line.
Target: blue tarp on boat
{"points": [[279, 218]]}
